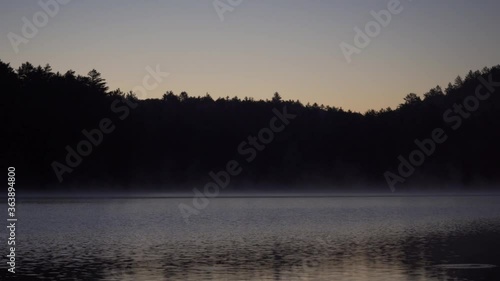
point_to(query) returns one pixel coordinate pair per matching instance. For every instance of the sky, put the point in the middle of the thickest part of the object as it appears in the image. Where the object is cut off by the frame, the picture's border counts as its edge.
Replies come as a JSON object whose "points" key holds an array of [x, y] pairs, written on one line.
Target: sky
{"points": [[253, 48]]}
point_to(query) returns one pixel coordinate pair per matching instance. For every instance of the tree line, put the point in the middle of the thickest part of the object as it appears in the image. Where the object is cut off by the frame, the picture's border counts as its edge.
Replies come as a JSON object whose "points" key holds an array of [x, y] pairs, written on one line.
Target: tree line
{"points": [[174, 142]]}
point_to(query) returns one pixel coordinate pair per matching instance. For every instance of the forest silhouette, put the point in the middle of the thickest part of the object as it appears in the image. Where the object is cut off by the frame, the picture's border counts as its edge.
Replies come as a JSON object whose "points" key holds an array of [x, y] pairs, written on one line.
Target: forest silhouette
{"points": [[174, 142]]}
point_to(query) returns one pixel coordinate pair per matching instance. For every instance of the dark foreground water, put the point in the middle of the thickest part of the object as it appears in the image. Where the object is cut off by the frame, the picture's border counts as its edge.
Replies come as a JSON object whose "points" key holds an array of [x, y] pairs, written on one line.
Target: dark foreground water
{"points": [[353, 238]]}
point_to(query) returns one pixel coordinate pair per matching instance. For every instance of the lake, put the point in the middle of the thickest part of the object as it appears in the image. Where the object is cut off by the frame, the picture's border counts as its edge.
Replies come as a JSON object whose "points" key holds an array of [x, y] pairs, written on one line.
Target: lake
{"points": [[328, 238]]}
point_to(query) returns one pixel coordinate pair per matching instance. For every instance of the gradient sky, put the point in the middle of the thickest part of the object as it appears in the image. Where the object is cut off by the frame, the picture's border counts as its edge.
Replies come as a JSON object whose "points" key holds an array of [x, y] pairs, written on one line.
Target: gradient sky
{"points": [[263, 46]]}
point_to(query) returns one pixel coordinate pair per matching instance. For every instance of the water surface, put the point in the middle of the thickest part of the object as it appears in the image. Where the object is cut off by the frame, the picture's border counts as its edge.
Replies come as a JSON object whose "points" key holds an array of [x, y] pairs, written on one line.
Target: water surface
{"points": [[331, 238]]}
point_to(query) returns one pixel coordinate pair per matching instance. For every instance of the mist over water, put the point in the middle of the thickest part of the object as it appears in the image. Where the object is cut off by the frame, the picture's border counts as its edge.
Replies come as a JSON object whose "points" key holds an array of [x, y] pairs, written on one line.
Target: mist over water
{"points": [[334, 238]]}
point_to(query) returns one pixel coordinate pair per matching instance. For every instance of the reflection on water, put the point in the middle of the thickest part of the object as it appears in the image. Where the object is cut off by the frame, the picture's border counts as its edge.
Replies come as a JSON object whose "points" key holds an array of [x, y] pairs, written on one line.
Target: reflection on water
{"points": [[355, 238]]}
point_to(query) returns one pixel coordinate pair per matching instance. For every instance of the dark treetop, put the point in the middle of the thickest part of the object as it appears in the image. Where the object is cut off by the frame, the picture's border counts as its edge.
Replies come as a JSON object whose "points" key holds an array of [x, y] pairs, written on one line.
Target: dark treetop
{"points": [[178, 139]]}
